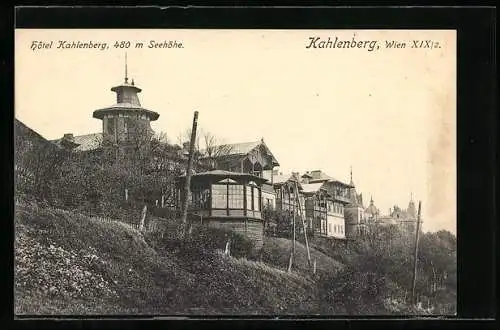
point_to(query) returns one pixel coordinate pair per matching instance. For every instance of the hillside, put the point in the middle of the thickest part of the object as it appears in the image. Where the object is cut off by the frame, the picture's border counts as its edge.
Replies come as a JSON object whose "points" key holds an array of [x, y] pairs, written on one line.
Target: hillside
{"points": [[66, 263], [276, 251]]}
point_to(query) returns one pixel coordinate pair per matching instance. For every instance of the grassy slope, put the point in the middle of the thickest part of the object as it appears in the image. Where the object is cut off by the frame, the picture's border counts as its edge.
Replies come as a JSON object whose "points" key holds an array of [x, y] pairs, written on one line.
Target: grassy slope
{"points": [[276, 251], [68, 264]]}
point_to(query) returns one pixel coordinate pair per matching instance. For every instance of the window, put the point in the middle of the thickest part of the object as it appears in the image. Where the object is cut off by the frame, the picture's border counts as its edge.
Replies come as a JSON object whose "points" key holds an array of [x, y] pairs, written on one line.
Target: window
{"points": [[256, 199], [200, 198], [329, 227], [219, 196], [249, 198], [235, 196]]}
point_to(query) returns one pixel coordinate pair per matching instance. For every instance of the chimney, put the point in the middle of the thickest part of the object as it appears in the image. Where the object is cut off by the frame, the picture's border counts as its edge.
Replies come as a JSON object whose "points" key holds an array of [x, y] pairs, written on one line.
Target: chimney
{"points": [[68, 136]]}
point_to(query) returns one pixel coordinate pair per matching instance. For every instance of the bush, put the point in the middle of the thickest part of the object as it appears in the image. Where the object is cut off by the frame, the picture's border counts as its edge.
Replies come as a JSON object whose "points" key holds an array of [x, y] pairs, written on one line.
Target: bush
{"points": [[355, 292], [204, 241]]}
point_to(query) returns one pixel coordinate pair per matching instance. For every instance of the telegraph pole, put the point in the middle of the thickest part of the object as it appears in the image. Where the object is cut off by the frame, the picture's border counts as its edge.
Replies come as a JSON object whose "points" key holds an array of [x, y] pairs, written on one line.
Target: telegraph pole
{"points": [[292, 254], [303, 225], [294, 215], [187, 183], [415, 256]]}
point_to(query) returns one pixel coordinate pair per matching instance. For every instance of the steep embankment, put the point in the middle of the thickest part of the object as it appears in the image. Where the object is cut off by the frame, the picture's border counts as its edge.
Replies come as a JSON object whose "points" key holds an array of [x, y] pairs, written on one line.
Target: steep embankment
{"points": [[66, 263], [276, 252]]}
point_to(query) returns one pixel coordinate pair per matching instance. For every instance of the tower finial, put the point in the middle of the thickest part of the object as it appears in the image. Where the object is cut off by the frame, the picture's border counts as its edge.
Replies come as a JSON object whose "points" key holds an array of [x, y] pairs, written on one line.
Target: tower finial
{"points": [[351, 176], [126, 73]]}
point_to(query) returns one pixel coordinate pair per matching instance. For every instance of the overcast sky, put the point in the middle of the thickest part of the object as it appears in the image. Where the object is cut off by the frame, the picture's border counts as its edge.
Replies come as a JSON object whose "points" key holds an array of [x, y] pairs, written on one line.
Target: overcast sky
{"points": [[388, 113]]}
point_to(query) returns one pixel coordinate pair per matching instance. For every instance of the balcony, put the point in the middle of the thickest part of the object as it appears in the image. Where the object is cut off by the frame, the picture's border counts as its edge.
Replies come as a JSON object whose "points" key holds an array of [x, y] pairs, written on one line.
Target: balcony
{"points": [[342, 198]]}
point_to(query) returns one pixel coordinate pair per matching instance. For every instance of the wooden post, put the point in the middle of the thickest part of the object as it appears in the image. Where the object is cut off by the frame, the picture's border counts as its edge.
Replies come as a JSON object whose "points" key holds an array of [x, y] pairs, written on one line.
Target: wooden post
{"points": [[314, 267], [228, 247], [162, 201], [143, 217], [292, 253], [126, 194], [293, 219], [303, 225], [187, 184], [415, 257]]}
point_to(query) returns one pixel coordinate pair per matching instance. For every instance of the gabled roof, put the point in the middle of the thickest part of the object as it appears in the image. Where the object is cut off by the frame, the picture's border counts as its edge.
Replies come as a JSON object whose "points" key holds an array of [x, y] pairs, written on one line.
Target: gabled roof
{"points": [[21, 129], [280, 178], [320, 176], [245, 148], [85, 142], [312, 187]]}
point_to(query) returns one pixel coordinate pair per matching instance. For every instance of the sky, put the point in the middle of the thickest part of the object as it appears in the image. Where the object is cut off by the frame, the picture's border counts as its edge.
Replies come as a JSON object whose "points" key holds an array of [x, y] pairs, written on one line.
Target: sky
{"points": [[388, 113]]}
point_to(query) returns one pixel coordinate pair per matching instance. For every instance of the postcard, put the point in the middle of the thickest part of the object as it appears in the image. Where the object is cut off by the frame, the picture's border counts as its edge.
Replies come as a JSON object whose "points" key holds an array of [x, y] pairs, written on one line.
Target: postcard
{"points": [[207, 172]]}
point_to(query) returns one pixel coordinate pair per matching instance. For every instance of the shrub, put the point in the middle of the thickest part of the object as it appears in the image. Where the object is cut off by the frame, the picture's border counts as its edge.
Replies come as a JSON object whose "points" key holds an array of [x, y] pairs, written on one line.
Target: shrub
{"points": [[359, 292], [204, 241]]}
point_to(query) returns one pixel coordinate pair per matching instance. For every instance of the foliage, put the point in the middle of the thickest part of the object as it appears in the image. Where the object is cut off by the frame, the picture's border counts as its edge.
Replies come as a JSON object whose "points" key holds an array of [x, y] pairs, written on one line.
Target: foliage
{"points": [[278, 223], [378, 276], [147, 278], [276, 252], [94, 182], [204, 241]]}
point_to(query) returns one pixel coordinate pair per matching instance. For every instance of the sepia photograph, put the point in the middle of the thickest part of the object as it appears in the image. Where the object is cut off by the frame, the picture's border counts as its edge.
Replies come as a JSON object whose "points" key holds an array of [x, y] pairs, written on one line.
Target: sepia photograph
{"points": [[206, 172]]}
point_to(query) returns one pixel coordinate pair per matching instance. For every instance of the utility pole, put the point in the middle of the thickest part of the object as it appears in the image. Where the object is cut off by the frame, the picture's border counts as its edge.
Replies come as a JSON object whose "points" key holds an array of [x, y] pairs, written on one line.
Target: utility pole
{"points": [[415, 256], [294, 209], [292, 254], [303, 224], [187, 183]]}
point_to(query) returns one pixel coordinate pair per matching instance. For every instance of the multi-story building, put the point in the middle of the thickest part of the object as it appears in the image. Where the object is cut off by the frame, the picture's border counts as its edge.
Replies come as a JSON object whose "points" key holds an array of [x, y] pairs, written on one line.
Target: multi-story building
{"points": [[253, 158], [404, 219], [287, 189], [325, 203]]}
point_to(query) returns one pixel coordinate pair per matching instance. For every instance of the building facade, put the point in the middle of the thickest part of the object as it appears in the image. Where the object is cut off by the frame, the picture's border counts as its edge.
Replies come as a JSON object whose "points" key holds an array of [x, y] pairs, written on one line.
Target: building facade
{"points": [[355, 214], [332, 203]]}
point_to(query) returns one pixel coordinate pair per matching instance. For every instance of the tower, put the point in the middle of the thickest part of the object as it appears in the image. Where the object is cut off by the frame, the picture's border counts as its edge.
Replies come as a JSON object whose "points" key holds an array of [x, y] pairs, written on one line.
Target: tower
{"points": [[125, 122], [411, 210], [410, 223], [354, 212]]}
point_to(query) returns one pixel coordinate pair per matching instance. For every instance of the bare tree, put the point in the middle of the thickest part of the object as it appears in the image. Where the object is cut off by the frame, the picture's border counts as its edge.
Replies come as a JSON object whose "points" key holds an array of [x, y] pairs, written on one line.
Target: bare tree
{"points": [[214, 150], [183, 139]]}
